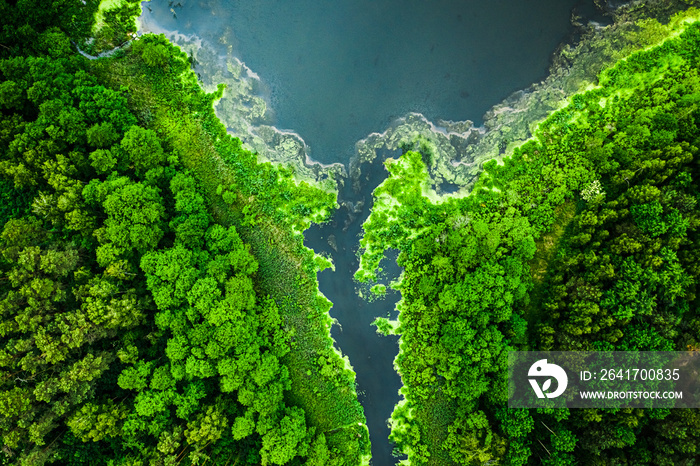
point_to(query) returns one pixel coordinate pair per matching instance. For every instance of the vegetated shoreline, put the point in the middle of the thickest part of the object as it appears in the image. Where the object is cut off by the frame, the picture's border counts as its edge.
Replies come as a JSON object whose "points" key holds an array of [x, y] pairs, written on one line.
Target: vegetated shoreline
{"points": [[586, 55], [460, 148], [150, 168], [576, 70], [298, 260], [244, 109], [294, 269]]}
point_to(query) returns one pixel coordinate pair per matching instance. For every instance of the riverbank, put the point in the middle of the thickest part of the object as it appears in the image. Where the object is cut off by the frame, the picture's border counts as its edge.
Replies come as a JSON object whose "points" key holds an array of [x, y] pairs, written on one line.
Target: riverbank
{"points": [[455, 331], [460, 148], [255, 197]]}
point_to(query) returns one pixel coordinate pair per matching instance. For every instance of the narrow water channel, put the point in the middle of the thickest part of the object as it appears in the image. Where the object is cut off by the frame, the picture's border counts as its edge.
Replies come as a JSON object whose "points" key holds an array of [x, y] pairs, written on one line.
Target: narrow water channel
{"points": [[371, 355], [334, 71]]}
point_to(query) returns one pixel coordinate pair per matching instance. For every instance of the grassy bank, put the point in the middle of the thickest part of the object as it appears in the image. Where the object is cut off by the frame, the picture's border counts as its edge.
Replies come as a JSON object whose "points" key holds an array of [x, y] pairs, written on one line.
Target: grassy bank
{"points": [[268, 209]]}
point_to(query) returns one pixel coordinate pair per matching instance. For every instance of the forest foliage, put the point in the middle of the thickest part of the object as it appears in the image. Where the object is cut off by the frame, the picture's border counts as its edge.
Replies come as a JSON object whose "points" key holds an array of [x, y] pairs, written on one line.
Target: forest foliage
{"points": [[586, 238], [157, 305], [136, 323]]}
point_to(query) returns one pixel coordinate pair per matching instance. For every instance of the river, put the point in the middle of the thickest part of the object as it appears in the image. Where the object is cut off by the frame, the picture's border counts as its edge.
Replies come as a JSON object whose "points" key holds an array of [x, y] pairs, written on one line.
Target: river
{"points": [[332, 72]]}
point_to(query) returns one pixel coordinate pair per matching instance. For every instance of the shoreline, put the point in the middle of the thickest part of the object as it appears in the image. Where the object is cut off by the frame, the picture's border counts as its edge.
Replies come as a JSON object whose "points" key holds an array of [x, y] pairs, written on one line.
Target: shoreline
{"points": [[460, 147], [387, 198]]}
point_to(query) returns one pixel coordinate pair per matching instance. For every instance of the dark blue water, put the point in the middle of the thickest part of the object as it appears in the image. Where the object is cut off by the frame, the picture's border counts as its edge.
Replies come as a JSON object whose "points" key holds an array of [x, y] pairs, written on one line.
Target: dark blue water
{"points": [[371, 355], [337, 70]]}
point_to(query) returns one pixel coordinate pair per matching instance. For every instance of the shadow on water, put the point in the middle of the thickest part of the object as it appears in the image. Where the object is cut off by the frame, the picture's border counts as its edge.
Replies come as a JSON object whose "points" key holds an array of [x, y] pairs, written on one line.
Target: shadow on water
{"points": [[371, 355]]}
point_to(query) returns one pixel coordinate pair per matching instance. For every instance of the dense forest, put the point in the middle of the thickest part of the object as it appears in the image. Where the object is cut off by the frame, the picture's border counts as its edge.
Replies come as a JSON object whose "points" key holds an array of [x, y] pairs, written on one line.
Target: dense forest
{"points": [[157, 305], [585, 238]]}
